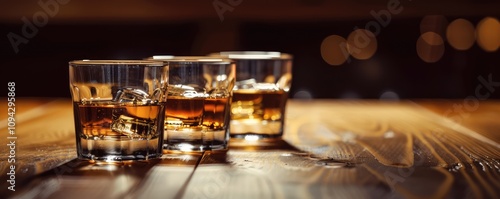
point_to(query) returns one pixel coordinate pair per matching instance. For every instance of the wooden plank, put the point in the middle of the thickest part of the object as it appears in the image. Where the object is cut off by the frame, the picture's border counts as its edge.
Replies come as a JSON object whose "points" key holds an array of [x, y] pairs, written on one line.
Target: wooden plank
{"points": [[287, 174], [481, 117], [44, 138], [398, 143], [27, 108], [81, 179], [279, 174], [140, 179], [169, 178]]}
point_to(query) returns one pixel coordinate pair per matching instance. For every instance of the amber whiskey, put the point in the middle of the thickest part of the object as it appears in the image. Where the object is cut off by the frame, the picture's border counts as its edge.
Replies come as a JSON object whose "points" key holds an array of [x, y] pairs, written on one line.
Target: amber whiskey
{"points": [[100, 125], [258, 112], [196, 123]]}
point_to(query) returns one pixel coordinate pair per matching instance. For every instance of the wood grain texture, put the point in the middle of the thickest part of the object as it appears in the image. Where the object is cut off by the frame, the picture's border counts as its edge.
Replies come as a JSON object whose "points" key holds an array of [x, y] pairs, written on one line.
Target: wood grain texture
{"points": [[401, 144], [44, 137], [331, 149], [482, 117]]}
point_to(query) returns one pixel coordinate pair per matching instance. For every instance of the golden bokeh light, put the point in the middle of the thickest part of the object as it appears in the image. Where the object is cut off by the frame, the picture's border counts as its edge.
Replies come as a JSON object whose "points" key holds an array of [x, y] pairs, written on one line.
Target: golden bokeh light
{"points": [[461, 34], [488, 34], [430, 47], [362, 44], [334, 50], [432, 38], [434, 23]]}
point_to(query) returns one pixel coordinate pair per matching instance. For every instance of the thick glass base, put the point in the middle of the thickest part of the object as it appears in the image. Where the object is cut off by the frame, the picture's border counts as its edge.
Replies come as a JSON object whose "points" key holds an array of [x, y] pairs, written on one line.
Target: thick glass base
{"points": [[118, 150], [195, 140]]}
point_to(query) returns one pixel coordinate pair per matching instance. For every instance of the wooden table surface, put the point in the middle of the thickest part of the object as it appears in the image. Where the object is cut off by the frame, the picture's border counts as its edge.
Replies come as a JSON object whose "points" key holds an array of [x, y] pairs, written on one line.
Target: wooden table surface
{"points": [[331, 149]]}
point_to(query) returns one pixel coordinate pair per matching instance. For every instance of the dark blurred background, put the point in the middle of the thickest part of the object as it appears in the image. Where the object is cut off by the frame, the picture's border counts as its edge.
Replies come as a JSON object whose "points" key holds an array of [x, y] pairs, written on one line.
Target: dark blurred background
{"points": [[416, 49]]}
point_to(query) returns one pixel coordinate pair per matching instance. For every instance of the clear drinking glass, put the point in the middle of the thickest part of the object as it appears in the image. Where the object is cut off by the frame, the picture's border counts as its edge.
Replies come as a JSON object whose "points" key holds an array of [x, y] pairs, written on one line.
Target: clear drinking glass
{"points": [[263, 80], [198, 102], [119, 108]]}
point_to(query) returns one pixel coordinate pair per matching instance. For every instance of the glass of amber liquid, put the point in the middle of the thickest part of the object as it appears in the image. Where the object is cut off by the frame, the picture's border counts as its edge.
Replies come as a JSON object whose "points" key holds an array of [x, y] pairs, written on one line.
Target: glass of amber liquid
{"points": [[263, 80], [119, 108], [198, 102]]}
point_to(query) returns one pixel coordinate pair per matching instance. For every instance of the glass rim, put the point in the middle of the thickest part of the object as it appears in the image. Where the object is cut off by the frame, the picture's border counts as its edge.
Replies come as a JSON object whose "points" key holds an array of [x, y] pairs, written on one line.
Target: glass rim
{"points": [[117, 62], [191, 59], [254, 55]]}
